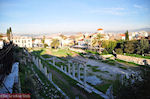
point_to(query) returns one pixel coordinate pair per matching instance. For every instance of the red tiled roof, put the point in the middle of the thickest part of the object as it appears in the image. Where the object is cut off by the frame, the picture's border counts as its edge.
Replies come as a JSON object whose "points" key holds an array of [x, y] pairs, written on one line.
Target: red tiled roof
{"points": [[122, 34], [99, 29]]}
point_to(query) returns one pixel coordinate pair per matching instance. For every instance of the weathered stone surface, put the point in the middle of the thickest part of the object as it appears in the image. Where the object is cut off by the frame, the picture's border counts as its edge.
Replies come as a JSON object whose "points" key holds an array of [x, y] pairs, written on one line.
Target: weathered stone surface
{"points": [[141, 61]]}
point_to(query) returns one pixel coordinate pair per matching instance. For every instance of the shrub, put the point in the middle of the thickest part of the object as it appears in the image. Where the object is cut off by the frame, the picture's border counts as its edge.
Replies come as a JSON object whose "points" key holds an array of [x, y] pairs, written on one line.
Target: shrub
{"points": [[105, 51], [119, 51]]}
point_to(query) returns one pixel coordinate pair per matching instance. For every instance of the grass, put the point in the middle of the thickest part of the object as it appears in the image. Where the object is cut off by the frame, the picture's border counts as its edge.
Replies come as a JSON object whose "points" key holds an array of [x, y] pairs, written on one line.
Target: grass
{"points": [[139, 56], [94, 69], [93, 52], [123, 67], [109, 61], [102, 87], [61, 52], [122, 61]]}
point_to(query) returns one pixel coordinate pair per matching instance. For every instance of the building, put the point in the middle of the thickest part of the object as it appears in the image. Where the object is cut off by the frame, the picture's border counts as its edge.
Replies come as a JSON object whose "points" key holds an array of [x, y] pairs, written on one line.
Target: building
{"points": [[22, 41], [100, 30], [48, 41], [3, 37]]}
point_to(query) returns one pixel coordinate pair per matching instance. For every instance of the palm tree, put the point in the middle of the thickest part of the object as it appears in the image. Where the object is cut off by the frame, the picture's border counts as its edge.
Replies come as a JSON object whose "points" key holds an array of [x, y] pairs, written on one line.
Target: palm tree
{"points": [[97, 41], [55, 43], [63, 38]]}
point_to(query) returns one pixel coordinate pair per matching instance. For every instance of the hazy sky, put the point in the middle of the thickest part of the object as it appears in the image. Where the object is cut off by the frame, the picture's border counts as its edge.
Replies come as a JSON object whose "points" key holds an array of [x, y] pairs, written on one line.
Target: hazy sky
{"points": [[48, 16]]}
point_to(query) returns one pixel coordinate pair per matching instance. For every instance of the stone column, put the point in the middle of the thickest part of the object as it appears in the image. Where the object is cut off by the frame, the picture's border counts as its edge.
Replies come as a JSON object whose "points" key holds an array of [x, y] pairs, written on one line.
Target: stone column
{"points": [[50, 76], [65, 69], [84, 79], [40, 66], [73, 70], [45, 70], [62, 67], [37, 62], [33, 59], [54, 61], [79, 72], [69, 68]]}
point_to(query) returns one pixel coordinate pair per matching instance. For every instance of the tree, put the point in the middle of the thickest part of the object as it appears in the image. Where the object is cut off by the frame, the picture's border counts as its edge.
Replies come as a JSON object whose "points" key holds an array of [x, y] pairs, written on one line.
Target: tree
{"points": [[97, 41], [129, 47], [63, 38], [143, 46], [9, 33], [127, 35], [43, 40], [109, 45], [119, 50], [55, 43]]}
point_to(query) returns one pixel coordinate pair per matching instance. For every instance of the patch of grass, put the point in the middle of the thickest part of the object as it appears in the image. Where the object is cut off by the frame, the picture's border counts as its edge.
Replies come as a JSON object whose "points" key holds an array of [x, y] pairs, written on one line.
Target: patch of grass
{"points": [[61, 52], [93, 52], [122, 61], [123, 67], [109, 61], [46, 56], [139, 56], [94, 69], [103, 87]]}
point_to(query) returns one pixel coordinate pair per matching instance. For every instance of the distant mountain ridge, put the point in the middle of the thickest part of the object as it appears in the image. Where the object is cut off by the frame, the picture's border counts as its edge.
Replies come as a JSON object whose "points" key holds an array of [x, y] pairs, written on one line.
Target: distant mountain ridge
{"points": [[73, 33], [142, 29], [133, 30]]}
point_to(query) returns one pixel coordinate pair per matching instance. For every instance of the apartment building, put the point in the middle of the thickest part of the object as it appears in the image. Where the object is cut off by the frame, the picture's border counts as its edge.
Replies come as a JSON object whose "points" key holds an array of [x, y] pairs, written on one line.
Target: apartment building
{"points": [[22, 41]]}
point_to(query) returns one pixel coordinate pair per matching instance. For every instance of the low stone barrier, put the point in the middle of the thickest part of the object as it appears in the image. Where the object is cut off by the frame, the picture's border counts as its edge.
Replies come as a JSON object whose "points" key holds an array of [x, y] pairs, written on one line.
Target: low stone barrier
{"points": [[140, 61], [77, 50]]}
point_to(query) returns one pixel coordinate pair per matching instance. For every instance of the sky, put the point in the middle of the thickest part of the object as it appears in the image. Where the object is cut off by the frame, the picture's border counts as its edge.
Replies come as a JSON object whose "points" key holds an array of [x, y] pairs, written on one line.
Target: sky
{"points": [[52, 16]]}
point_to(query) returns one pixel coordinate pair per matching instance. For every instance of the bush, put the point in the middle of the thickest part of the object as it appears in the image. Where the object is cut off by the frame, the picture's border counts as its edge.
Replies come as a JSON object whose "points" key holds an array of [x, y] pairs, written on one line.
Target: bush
{"points": [[119, 51], [105, 51]]}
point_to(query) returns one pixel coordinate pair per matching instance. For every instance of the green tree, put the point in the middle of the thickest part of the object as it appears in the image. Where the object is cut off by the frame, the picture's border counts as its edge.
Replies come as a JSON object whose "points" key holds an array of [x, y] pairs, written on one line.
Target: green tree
{"points": [[97, 41], [129, 47], [143, 46], [9, 33], [109, 45], [127, 35], [43, 42], [119, 50], [63, 37], [55, 43]]}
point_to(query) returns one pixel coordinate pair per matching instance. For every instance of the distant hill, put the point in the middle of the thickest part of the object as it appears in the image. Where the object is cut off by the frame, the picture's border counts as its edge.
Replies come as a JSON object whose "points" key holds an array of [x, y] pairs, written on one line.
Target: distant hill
{"points": [[142, 29], [134, 30]]}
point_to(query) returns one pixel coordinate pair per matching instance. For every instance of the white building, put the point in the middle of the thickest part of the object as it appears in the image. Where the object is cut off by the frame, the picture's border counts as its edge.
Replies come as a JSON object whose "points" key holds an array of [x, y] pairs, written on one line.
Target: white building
{"points": [[100, 30], [22, 41], [48, 41]]}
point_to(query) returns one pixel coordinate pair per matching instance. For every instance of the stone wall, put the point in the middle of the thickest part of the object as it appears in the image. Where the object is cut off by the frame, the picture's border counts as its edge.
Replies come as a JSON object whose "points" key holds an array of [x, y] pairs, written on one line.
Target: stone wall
{"points": [[140, 61], [77, 50]]}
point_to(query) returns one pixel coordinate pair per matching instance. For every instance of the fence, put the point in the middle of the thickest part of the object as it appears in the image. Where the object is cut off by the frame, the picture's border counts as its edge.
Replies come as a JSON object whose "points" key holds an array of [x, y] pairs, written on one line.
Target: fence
{"points": [[6, 60]]}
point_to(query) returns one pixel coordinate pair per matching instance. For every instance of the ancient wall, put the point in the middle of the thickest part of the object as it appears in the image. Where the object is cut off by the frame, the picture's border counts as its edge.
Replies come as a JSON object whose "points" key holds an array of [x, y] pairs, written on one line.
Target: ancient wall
{"points": [[141, 61]]}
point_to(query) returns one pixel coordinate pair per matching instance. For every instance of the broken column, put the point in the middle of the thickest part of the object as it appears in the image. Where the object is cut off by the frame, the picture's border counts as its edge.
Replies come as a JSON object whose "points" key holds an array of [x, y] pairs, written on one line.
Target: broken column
{"points": [[84, 79], [37, 61], [62, 67], [45, 70], [73, 70], [50, 76], [40, 66], [79, 72], [69, 68], [65, 69], [54, 61]]}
